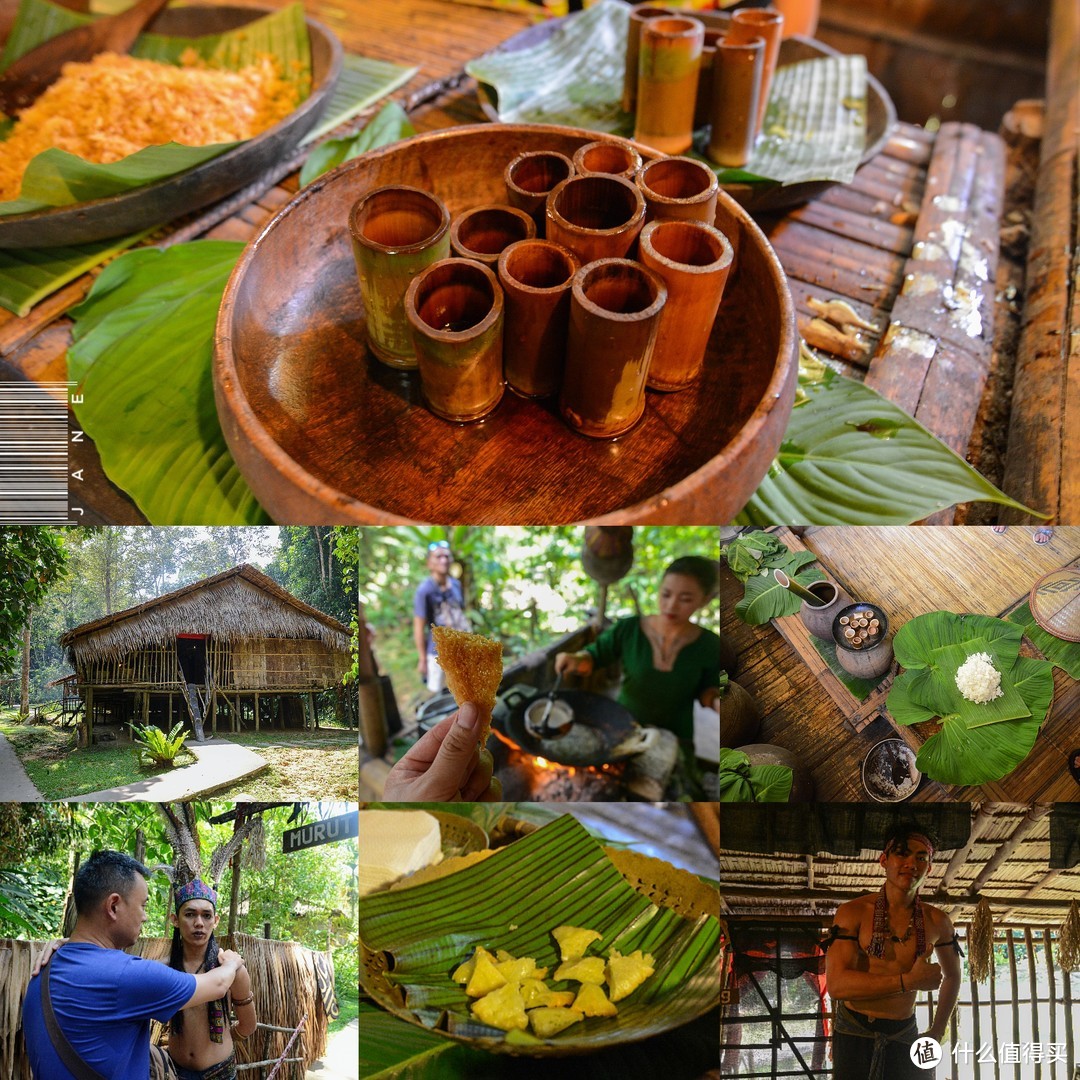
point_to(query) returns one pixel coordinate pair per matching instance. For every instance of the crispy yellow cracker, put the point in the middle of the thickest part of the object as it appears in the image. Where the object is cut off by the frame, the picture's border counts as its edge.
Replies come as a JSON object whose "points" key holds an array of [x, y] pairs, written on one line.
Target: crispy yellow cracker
{"points": [[473, 666]]}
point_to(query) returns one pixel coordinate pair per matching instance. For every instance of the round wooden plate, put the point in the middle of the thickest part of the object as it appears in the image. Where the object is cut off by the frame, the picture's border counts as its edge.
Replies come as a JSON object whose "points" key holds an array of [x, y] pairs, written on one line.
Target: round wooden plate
{"points": [[160, 202], [323, 432], [1055, 603]]}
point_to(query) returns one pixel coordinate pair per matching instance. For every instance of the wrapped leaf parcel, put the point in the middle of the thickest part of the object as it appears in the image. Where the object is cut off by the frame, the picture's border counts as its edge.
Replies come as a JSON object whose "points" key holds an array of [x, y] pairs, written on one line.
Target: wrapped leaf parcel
{"points": [[426, 930]]}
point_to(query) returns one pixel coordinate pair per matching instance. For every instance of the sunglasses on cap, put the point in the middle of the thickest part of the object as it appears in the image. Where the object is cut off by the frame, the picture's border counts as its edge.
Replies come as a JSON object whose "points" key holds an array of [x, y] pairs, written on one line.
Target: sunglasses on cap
{"points": [[437, 545]]}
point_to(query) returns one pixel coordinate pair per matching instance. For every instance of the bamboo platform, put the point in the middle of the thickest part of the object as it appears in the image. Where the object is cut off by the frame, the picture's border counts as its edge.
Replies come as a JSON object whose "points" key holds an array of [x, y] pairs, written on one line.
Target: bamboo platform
{"points": [[911, 244], [908, 572]]}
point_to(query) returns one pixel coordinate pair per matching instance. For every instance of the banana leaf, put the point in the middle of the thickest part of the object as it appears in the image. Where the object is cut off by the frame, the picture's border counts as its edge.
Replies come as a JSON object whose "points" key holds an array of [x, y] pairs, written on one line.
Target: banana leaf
{"points": [[852, 457], [141, 353], [58, 178], [814, 126], [976, 743], [413, 938]]}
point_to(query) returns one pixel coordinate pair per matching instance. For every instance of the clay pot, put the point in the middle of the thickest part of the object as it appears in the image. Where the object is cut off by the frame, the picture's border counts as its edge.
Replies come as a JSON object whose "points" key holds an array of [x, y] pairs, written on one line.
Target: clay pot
{"points": [[740, 716], [802, 783], [819, 620]]}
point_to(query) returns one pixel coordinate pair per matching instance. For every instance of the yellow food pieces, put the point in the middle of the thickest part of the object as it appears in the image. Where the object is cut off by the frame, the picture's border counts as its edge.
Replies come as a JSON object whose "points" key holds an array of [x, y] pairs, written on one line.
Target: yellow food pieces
{"points": [[115, 105], [547, 1022], [626, 973], [485, 977], [592, 1001], [584, 969], [502, 1009], [573, 940], [517, 997]]}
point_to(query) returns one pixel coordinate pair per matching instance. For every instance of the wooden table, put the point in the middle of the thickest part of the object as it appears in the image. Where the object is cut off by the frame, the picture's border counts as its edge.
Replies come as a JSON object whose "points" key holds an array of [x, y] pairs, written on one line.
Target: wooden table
{"points": [[911, 244], [908, 571]]}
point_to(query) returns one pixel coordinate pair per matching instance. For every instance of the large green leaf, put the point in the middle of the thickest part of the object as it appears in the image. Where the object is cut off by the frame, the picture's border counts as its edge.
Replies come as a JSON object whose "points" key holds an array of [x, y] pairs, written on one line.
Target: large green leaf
{"points": [[430, 928], [765, 598], [852, 457], [57, 178], [977, 743], [1061, 653], [141, 354]]}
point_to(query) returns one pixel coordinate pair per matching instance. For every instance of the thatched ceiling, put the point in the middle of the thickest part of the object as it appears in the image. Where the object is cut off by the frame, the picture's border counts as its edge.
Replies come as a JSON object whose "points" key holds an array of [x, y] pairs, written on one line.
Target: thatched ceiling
{"points": [[239, 604], [1006, 861]]}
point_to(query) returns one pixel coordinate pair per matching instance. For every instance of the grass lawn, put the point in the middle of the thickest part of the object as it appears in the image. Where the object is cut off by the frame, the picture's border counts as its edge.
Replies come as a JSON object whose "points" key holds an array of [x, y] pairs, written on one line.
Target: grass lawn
{"points": [[308, 764], [61, 771], [348, 999]]}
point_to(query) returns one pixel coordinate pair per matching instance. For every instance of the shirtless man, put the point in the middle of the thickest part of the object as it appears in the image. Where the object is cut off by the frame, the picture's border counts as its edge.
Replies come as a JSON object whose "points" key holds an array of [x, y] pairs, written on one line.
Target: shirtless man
{"points": [[200, 1040], [878, 960]]}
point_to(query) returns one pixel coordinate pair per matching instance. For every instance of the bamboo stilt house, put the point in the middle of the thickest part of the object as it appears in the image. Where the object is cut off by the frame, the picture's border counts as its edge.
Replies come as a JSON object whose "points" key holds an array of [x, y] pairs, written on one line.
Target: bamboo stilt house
{"points": [[289, 982], [235, 644], [1008, 877]]}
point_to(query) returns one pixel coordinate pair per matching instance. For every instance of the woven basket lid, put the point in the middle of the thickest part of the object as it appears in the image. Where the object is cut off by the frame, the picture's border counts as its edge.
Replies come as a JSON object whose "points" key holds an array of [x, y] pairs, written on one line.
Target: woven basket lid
{"points": [[1055, 603]]}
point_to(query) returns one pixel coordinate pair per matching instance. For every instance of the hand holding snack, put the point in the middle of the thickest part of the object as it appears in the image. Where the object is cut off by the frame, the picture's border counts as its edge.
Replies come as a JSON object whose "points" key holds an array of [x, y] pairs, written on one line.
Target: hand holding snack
{"points": [[446, 764], [473, 666]]}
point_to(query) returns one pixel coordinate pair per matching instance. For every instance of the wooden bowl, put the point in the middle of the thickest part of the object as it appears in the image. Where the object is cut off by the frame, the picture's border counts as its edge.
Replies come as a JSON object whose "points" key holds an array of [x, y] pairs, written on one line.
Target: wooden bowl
{"points": [[323, 432], [183, 193]]}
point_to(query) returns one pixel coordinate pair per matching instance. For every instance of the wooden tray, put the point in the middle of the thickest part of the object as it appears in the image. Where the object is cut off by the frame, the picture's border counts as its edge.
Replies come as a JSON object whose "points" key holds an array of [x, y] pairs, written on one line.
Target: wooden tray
{"points": [[160, 202], [323, 432]]}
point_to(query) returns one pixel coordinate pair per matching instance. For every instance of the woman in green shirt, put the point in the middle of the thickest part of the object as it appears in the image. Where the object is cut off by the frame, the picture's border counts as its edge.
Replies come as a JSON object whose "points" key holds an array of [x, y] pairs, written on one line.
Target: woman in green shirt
{"points": [[668, 661]]}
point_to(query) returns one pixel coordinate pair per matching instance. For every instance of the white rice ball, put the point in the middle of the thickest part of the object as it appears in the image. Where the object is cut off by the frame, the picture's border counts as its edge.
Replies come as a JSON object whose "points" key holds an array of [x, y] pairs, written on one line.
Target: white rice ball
{"points": [[978, 680]]}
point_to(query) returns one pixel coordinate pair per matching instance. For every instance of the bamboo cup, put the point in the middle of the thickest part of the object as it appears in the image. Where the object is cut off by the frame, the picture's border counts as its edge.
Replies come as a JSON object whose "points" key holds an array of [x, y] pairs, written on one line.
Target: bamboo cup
{"points": [[667, 83], [737, 71], [693, 260], [455, 309], [768, 24], [396, 232], [530, 178], [678, 187], [614, 313], [536, 276], [638, 17], [483, 232], [703, 100], [800, 16], [595, 216], [610, 158]]}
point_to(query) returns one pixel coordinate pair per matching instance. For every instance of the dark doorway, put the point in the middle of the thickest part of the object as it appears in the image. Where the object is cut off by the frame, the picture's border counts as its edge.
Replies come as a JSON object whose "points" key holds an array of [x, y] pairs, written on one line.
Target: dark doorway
{"points": [[191, 653]]}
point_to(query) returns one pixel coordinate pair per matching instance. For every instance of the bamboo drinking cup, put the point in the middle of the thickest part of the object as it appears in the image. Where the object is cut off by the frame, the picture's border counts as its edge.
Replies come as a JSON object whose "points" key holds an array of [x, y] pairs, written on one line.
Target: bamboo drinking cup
{"points": [[530, 178], [611, 158], [614, 313], [668, 68], [678, 187], [536, 277], [639, 15], [703, 101], [767, 24], [595, 216], [737, 72], [484, 231], [396, 232], [455, 309], [693, 260]]}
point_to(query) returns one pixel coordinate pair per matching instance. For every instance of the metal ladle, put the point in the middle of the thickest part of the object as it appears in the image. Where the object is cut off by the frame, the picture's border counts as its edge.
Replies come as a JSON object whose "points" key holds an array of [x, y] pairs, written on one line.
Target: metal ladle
{"points": [[543, 730]]}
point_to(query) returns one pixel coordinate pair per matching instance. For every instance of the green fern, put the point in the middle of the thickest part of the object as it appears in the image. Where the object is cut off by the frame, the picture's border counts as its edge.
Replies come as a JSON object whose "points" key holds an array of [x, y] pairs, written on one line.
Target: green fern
{"points": [[155, 746]]}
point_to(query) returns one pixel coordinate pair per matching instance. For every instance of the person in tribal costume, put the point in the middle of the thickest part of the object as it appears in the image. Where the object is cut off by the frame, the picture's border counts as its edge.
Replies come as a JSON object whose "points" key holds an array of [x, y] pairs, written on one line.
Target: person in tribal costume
{"points": [[200, 1039], [881, 953]]}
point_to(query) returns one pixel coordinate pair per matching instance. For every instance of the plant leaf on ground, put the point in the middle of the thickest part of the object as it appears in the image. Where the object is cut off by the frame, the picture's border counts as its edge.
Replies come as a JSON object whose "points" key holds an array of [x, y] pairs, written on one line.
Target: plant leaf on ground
{"points": [[852, 457]]}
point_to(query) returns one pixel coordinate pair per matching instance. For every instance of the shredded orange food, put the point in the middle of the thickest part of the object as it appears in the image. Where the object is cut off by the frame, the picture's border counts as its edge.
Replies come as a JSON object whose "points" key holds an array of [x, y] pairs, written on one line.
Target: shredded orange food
{"points": [[116, 105]]}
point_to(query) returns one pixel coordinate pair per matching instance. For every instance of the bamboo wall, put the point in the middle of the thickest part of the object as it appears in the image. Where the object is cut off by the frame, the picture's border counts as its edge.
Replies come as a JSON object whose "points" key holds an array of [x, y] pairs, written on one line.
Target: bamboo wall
{"points": [[254, 664]]}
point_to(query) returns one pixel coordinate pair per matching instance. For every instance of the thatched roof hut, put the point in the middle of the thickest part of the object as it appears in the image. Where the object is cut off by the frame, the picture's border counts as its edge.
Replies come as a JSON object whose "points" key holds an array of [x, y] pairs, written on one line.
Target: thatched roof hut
{"points": [[288, 981], [230, 638], [784, 870]]}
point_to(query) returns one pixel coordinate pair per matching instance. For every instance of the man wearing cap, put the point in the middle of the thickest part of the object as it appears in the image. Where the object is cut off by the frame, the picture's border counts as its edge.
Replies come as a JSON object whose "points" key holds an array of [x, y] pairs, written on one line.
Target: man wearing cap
{"points": [[879, 958], [439, 601], [94, 1021], [200, 1038]]}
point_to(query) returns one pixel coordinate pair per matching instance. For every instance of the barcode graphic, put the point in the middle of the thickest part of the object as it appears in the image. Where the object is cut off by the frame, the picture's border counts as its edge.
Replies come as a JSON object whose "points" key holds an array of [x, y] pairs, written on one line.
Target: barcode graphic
{"points": [[34, 453]]}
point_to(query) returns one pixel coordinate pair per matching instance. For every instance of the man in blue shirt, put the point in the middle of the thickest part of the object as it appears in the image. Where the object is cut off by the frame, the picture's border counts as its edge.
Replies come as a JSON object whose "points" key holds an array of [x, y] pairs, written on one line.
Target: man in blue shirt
{"points": [[439, 600], [102, 997]]}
